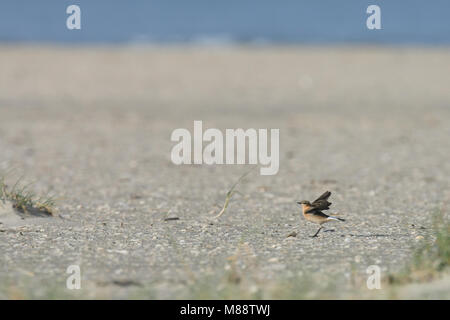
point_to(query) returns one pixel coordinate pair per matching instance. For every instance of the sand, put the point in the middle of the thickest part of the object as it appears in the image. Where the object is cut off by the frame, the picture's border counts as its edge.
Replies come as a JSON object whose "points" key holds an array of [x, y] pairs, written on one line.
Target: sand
{"points": [[92, 125]]}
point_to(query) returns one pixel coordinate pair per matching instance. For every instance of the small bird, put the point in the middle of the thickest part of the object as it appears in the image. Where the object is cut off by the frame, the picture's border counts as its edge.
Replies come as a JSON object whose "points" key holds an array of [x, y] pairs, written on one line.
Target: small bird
{"points": [[313, 211]]}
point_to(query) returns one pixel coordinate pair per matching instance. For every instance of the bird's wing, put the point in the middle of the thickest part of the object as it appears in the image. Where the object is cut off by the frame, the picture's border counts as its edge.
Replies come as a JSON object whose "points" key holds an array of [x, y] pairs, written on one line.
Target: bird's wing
{"points": [[317, 213], [321, 203], [315, 209], [324, 196]]}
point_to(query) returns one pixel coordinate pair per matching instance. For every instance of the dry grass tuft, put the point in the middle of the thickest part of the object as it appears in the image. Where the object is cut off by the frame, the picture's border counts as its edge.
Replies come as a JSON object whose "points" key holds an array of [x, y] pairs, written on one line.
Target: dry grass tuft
{"points": [[25, 201]]}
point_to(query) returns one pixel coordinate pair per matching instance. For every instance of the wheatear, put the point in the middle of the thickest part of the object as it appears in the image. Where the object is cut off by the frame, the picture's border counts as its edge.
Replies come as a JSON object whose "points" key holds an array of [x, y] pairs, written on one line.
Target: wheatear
{"points": [[313, 211]]}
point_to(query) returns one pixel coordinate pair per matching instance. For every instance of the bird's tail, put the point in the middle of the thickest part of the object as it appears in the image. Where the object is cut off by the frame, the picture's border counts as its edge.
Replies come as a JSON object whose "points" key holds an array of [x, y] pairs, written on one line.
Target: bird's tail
{"points": [[335, 218]]}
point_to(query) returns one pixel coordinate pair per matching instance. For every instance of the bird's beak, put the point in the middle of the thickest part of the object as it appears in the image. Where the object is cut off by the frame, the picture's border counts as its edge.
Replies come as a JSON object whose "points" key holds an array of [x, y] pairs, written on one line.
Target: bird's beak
{"points": [[299, 203]]}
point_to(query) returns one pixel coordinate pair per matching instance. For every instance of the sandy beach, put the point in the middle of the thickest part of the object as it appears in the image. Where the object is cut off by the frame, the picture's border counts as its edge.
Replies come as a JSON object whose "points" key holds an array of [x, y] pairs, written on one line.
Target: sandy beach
{"points": [[92, 126]]}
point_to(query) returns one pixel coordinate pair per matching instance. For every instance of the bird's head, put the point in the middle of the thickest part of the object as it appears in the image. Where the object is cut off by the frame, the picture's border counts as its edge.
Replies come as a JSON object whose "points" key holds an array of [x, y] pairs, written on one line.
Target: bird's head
{"points": [[304, 203]]}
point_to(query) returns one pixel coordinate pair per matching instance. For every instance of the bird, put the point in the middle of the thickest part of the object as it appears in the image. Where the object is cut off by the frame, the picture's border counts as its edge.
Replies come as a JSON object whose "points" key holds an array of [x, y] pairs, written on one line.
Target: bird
{"points": [[313, 211]]}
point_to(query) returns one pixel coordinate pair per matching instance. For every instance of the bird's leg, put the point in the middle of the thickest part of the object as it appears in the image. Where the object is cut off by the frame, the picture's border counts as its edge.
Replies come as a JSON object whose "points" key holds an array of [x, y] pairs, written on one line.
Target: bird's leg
{"points": [[315, 235]]}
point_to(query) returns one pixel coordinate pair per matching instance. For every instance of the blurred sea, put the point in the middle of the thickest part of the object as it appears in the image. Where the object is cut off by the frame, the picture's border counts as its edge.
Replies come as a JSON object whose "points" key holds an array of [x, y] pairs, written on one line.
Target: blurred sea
{"points": [[227, 21]]}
